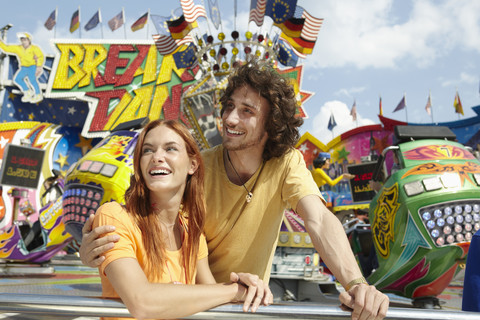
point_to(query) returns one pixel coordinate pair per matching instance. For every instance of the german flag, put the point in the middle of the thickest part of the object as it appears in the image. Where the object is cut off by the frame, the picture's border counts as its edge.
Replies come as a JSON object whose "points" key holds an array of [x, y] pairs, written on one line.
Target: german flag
{"points": [[180, 28], [299, 44], [291, 27], [140, 23], [75, 22]]}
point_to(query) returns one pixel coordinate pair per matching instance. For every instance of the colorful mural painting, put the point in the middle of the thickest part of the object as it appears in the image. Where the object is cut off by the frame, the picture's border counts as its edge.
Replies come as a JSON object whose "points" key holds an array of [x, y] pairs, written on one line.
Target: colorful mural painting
{"points": [[30, 60]]}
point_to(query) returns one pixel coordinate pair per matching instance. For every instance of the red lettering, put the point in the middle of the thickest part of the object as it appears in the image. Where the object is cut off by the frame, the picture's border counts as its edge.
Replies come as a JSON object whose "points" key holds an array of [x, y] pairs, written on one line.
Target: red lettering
{"points": [[114, 62], [171, 107], [127, 76], [101, 116]]}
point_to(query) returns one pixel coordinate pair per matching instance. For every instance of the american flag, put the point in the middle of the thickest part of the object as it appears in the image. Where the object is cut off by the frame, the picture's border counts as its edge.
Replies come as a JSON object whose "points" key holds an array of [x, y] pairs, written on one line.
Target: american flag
{"points": [[52, 20], [428, 106], [116, 22], [311, 26], [257, 11], [167, 45], [192, 11]]}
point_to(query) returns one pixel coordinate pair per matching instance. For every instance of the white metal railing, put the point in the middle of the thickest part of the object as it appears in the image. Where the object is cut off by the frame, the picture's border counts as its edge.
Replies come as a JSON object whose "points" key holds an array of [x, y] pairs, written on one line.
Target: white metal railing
{"points": [[60, 305]]}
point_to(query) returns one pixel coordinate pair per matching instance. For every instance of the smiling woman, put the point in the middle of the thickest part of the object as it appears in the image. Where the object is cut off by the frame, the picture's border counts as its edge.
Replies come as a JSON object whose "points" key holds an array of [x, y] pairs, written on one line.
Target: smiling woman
{"points": [[161, 246]]}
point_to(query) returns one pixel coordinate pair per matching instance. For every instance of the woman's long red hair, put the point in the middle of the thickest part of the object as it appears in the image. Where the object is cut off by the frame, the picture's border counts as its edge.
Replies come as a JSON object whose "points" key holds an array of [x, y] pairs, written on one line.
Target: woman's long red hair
{"points": [[137, 199]]}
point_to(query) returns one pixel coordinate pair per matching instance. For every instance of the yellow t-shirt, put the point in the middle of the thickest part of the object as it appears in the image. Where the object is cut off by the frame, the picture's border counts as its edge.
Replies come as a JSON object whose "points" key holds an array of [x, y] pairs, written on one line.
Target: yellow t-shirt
{"points": [[130, 245], [242, 236], [321, 177], [32, 56]]}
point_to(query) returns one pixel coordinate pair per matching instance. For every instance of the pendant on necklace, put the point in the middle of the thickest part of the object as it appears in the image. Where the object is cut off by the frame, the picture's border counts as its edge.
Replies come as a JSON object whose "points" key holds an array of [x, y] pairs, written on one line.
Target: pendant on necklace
{"points": [[249, 197]]}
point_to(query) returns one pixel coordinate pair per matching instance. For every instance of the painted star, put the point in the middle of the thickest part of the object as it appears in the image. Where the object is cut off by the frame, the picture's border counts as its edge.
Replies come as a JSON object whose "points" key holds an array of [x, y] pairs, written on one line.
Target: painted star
{"points": [[303, 148], [296, 75], [62, 160], [3, 141], [84, 144], [12, 96], [71, 110], [343, 154], [31, 116], [380, 144]]}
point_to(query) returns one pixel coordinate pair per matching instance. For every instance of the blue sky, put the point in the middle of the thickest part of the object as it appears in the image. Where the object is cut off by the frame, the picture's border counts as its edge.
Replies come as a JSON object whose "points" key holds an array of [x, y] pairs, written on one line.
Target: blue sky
{"points": [[365, 49]]}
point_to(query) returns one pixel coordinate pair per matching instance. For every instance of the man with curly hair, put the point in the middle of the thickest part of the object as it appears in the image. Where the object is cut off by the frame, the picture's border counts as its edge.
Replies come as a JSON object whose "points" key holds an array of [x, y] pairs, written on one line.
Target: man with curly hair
{"points": [[249, 181]]}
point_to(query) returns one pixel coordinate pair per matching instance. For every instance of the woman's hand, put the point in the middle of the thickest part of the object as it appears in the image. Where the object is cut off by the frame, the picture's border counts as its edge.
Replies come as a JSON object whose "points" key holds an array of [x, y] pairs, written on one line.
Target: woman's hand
{"points": [[94, 244], [252, 290]]}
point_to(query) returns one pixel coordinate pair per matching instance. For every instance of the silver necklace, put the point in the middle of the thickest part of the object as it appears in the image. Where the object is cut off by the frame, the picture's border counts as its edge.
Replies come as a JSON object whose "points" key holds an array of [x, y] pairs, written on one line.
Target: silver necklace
{"points": [[249, 195]]}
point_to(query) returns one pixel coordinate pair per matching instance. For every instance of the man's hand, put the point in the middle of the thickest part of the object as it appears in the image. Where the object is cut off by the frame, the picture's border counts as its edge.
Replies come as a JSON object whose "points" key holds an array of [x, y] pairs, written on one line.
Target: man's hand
{"points": [[366, 302], [257, 291], [94, 245]]}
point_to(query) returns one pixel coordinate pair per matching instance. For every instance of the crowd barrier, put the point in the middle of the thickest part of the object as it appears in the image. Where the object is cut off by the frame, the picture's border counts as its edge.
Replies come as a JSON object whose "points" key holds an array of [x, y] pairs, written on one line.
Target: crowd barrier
{"points": [[77, 306]]}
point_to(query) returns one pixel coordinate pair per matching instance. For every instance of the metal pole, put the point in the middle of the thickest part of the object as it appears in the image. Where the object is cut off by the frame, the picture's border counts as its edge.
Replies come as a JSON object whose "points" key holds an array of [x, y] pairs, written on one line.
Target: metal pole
{"points": [[61, 305]]}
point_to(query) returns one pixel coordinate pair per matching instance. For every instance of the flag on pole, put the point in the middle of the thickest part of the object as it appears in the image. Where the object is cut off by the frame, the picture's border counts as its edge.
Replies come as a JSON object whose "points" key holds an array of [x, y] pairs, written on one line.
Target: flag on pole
{"points": [[380, 108], [331, 123], [257, 11], [291, 27], [52, 20], [192, 11], [312, 25], [428, 107], [285, 55], [401, 105], [185, 58], [94, 21], [279, 37], [299, 44], [353, 112], [214, 13], [75, 22], [160, 22], [116, 22], [179, 28], [140, 23], [280, 11], [166, 44], [457, 104]]}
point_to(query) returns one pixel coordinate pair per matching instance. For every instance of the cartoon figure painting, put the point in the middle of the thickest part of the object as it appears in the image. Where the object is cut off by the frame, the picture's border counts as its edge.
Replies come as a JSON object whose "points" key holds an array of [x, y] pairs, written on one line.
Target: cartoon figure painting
{"points": [[321, 178], [30, 59]]}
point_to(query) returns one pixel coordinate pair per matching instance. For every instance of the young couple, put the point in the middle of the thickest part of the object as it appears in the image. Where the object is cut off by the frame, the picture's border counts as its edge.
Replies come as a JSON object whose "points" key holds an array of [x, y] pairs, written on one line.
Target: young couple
{"points": [[249, 180]]}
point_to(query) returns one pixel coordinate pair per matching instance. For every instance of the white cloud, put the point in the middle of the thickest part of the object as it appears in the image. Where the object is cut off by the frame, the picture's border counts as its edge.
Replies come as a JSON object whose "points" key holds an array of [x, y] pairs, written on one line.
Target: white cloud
{"points": [[359, 35], [348, 92], [463, 78], [341, 113]]}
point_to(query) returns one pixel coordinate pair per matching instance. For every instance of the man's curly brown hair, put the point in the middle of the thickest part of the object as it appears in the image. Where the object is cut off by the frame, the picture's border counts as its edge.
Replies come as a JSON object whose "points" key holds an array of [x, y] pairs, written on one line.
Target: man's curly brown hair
{"points": [[281, 123]]}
